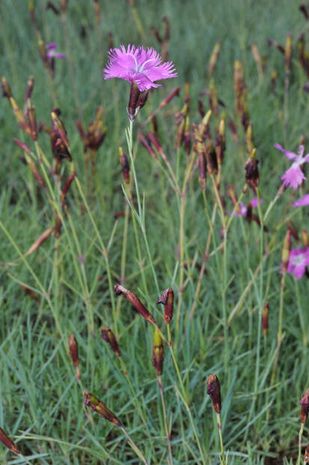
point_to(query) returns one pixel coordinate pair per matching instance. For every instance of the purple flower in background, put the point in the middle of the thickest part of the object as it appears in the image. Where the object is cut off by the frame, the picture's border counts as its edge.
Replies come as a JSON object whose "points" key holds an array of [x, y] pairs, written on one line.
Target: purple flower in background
{"points": [[51, 51], [244, 210], [294, 176], [298, 261], [139, 65], [302, 202]]}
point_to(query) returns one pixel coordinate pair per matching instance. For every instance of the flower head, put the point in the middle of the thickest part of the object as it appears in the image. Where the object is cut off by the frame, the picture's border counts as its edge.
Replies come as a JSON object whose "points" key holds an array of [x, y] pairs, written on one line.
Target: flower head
{"points": [[298, 261], [139, 65], [51, 51], [302, 202], [294, 176], [244, 210]]}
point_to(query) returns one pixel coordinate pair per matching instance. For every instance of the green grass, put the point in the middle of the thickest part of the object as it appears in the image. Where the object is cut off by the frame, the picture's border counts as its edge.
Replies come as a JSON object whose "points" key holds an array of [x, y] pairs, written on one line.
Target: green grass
{"points": [[41, 403]]}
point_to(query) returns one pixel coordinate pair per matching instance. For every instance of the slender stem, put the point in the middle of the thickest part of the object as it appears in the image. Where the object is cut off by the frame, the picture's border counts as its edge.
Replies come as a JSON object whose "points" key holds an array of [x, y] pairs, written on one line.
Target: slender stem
{"points": [[219, 424], [167, 432], [300, 436], [134, 447]]}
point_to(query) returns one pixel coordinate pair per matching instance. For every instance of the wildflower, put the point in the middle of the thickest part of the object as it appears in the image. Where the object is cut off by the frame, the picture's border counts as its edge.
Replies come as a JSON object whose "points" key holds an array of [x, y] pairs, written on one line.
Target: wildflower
{"points": [[294, 176], [51, 51], [298, 261], [302, 202], [138, 65], [244, 210]]}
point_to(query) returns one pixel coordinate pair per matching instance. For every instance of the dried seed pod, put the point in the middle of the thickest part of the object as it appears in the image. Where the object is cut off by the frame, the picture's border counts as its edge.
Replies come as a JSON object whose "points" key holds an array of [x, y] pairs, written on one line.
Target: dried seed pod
{"points": [[214, 58], [214, 392], [90, 400], [158, 352], [286, 251], [109, 337], [265, 315], [304, 407], [220, 142], [7, 442], [135, 302], [73, 348], [167, 299]]}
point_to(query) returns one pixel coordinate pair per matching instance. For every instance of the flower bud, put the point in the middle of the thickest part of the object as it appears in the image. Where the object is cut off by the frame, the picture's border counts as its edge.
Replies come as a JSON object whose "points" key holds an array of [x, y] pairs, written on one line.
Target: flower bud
{"points": [[252, 171], [99, 407], [158, 352], [136, 101], [7, 442], [265, 315], [125, 167], [286, 251], [167, 299], [109, 337], [73, 348], [304, 407], [135, 302], [214, 392]]}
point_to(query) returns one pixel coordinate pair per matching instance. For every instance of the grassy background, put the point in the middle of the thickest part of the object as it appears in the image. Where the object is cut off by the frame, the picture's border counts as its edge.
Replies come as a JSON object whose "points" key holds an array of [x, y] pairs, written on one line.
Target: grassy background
{"points": [[39, 396]]}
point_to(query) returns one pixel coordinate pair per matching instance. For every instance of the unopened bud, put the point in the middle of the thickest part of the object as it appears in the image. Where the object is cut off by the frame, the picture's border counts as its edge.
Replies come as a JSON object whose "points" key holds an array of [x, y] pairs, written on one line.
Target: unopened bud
{"points": [[214, 58], [158, 352], [7, 442], [136, 101], [304, 407], [214, 392], [305, 238], [29, 89], [135, 302], [73, 348], [252, 171], [125, 167], [174, 93], [265, 315], [6, 89], [109, 337], [41, 239], [167, 299], [90, 400]]}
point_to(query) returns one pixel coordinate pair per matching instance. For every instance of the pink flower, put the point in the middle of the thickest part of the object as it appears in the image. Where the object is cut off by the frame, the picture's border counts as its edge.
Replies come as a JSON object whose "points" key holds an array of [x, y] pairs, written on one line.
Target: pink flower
{"points": [[138, 65], [298, 261], [294, 176], [51, 51], [244, 210], [302, 202]]}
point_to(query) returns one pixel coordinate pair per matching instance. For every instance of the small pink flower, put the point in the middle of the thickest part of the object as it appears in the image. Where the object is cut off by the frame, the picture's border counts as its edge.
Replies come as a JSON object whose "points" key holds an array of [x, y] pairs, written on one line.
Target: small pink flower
{"points": [[51, 51], [243, 209], [294, 176], [139, 65], [298, 261], [302, 202]]}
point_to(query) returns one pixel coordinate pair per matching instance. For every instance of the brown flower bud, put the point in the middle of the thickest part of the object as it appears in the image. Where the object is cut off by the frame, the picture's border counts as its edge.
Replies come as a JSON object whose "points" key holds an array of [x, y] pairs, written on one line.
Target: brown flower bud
{"points": [[252, 171], [73, 348], [7, 442], [99, 407], [29, 89], [40, 240], [59, 139], [214, 58], [214, 392], [304, 407], [167, 299], [265, 315], [305, 238], [174, 93], [158, 352], [135, 302], [125, 167], [109, 337]]}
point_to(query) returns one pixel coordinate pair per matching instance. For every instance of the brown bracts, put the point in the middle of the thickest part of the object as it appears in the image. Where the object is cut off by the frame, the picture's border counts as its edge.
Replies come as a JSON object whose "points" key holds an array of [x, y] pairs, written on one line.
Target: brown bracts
{"points": [[7, 442], [252, 171], [167, 299], [135, 302], [137, 100], [73, 349], [304, 407], [99, 407], [265, 318], [109, 337], [214, 392], [59, 138]]}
